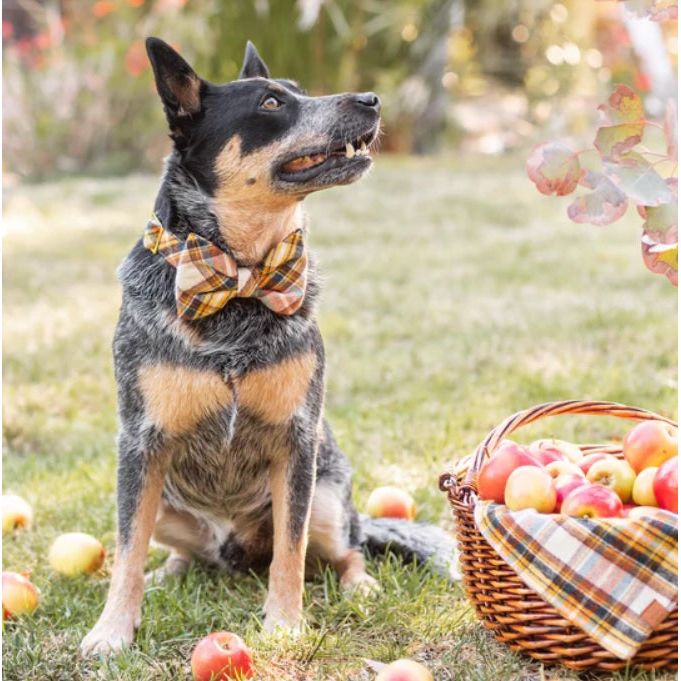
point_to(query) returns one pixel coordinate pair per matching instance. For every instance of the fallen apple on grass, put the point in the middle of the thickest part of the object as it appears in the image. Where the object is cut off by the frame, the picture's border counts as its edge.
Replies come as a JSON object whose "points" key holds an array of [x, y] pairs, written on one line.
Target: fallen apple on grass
{"points": [[16, 512], [497, 469], [666, 485], [530, 487], [615, 474], [650, 444], [76, 553], [391, 502], [19, 595], [404, 670], [221, 656], [642, 492], [592, 501]]}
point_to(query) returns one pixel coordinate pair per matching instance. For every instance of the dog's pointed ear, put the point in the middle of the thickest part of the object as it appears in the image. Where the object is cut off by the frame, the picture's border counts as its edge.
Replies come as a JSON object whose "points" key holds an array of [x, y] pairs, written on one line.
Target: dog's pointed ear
{"points": [[254, 66], [178, 85]]}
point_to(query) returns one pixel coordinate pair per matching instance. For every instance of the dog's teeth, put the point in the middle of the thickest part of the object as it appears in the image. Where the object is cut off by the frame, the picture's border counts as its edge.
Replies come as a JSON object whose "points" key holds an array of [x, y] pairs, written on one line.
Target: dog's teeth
{"points": [[363, 147], [349, 150]]}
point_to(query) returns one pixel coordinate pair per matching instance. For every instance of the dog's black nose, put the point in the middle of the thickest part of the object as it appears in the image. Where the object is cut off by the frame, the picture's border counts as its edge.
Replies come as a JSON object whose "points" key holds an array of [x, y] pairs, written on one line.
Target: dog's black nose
{"points": [[368, 99]]}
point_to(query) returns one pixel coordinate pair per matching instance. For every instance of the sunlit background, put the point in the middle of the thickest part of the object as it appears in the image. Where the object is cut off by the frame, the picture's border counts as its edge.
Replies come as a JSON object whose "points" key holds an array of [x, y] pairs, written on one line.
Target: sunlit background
{"points": [[476, 75]]}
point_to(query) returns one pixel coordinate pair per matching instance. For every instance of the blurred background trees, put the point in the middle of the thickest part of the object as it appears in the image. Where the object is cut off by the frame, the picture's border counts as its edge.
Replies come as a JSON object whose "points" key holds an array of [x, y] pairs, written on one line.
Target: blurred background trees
{"points": [[480, 75]]}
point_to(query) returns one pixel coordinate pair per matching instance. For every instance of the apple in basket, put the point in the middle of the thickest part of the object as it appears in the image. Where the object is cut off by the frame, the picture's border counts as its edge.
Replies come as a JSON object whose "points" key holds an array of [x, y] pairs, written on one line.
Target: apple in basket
{"points": [[530, 487], [650, 443], [642, 493], [556, 449], [557, 468], [590, 459], [496, 470], [564, 484], [666, 485], [592, 501], [614, 473]]}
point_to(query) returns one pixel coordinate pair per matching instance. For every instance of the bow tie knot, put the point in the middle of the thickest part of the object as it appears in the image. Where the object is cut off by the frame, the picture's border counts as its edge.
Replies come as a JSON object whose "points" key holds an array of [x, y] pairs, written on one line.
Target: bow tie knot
{"points": [[207, 278]]}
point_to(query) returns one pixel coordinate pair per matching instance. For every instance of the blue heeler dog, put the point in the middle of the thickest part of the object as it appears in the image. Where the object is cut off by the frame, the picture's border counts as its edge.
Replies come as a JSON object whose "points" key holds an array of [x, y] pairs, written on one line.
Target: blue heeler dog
{"points": [[224, 453]]}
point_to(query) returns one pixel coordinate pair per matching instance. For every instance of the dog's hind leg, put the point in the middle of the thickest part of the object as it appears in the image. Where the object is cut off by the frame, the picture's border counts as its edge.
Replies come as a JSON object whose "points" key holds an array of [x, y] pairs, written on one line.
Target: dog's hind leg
{"points": [[140, 483]]}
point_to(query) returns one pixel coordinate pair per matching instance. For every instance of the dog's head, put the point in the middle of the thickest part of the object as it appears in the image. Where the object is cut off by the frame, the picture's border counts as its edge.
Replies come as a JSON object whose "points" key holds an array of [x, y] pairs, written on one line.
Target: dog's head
{"points": [[262, 139]]}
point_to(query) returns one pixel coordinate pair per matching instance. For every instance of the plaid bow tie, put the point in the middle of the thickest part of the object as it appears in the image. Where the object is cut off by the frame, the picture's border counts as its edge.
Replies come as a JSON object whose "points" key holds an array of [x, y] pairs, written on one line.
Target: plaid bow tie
{"points": [[208, 278]]}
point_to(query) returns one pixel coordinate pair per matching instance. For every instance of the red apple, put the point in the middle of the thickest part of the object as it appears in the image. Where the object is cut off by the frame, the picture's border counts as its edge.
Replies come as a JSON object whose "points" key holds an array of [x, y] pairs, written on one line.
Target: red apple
{"points": [[547, 456], [495, 471], [614, 473], [666, 485], [590, 459], [650, 444], [564, 484], [530, 487], [391, 502], [221, 656], [643, 493], [558, 468], [592, 501], [567, 450], [404, 670], [15, 513], [76, 553], [19, 595]]}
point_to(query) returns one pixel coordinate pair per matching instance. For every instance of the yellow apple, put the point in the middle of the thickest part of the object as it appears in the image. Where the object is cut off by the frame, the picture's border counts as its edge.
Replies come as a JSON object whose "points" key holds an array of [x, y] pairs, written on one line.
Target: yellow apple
{"points": [[530, 487], [391, 502], [613, 473], [76, 553], [643, 494], [16, 512], [558, 468], [19, 595]]}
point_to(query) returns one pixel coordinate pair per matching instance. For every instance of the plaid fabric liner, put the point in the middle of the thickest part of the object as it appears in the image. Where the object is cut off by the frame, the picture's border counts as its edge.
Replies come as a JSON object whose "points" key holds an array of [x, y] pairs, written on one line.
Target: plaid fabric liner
{"points": [[208, 278], [616, 579]]}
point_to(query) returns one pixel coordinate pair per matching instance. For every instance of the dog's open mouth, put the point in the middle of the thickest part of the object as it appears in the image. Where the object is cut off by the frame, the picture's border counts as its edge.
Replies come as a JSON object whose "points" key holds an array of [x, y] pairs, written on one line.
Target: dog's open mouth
{"points": [[307, 166]]}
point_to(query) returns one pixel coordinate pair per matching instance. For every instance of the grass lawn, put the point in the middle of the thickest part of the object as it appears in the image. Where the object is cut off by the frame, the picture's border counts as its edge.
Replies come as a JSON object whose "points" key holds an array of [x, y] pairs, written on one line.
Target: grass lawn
{"points": [[455, 295]]}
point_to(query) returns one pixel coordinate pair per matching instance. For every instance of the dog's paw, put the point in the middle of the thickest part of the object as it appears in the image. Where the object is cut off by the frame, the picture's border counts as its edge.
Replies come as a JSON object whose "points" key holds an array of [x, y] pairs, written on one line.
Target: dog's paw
{"points": [[363, 584], [288, 626], [108, 638]]}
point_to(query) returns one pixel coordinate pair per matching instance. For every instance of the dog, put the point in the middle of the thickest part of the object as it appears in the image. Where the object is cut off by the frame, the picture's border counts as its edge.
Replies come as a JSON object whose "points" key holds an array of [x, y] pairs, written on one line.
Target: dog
{"points": [[224, 454]]}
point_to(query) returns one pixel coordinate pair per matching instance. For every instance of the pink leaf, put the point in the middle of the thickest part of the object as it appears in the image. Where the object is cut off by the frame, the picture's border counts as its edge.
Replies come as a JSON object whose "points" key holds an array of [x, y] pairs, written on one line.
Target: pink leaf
{"points": [[623, 106], [661, 258], [600, 207], [614, 140], [554, 168]]}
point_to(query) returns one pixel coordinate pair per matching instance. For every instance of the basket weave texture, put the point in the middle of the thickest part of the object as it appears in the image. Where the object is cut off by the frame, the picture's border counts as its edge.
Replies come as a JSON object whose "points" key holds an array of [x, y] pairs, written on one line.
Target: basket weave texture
{"points": [[516, 614]]}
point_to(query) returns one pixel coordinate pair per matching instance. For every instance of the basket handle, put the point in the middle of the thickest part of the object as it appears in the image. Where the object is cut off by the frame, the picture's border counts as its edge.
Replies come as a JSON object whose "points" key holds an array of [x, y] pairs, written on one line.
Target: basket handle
{"points": [[489, 445]]}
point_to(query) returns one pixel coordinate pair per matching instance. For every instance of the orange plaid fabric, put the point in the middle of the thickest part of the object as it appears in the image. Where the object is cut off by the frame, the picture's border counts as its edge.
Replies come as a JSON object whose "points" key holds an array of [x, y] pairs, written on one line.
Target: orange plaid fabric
{"points": [[616, 579], [208, 278]]}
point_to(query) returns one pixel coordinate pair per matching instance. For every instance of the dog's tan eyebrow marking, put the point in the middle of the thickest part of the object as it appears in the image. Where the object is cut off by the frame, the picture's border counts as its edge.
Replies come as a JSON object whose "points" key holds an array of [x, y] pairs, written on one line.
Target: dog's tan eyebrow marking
{"points": [[250, 180], [275, 87], [275, 392], [177, 398]]}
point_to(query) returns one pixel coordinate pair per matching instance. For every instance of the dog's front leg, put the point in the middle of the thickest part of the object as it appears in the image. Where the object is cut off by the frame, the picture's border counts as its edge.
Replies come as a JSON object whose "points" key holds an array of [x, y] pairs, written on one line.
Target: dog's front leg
{"points": [[292, 481], [140, 483]]}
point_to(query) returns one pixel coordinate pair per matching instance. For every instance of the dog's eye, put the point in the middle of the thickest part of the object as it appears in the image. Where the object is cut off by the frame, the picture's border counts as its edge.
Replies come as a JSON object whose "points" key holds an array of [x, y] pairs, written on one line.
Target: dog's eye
{"points": [[270, 103]]}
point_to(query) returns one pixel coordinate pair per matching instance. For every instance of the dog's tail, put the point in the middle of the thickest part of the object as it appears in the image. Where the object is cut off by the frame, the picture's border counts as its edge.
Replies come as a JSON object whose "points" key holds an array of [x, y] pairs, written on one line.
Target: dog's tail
{"points": [[420, 542]]}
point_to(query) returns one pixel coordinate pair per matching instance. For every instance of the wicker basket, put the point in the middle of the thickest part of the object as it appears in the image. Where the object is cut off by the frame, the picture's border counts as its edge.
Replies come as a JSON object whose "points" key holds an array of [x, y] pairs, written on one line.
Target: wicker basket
{"points": [[517, 615]]}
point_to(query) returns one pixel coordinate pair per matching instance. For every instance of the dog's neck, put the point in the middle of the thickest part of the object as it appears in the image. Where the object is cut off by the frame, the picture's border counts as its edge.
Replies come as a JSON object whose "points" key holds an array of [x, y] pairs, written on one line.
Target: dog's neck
{"points": [[247, 230]]}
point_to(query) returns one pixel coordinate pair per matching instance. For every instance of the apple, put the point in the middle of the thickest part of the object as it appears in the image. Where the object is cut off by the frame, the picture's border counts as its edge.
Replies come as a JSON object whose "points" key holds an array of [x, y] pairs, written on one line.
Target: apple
{"points": [[564, 484], [16, 512], [590, 459], [76, 553], [666, 485], [568, 450], [643, 493], [495, 471], [592, 501], [547, 456], [627, 509], [19, 595], [530, 487], [615, 474], [391, 502], [650, 444], [404, 670], [221, 656], [557, 468]]}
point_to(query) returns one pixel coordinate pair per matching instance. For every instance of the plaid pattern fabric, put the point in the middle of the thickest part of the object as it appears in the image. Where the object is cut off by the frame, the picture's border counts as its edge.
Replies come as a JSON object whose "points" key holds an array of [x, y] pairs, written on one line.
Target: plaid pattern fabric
{"points": [[615, 579], [208, 278]]}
